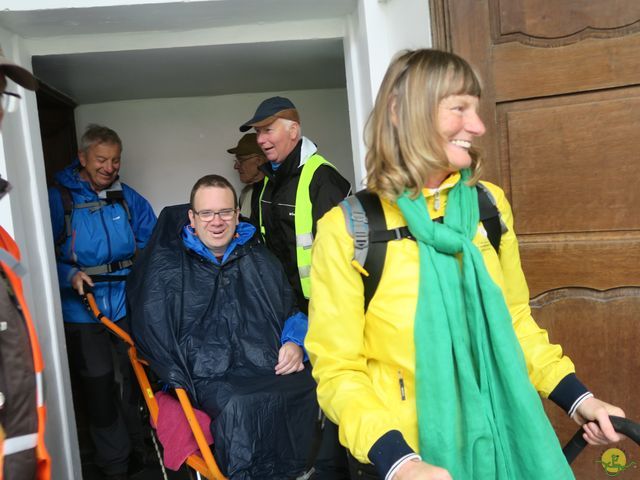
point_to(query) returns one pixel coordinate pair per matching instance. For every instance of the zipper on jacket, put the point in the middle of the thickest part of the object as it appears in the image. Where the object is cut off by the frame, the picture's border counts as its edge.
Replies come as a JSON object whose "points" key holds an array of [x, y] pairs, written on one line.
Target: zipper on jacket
{"points": [[436, 199], [109, 257], [403, 394]]}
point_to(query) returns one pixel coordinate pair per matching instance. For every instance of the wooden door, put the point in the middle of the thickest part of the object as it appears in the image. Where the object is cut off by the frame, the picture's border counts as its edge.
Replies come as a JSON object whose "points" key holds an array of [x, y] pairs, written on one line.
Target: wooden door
{"points": [[57, 130], [562, 106]]}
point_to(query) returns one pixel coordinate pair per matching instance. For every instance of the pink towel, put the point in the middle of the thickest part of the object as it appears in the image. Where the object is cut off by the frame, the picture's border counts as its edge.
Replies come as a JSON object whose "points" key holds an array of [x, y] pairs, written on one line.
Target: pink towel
{"points": [[175, 433]]}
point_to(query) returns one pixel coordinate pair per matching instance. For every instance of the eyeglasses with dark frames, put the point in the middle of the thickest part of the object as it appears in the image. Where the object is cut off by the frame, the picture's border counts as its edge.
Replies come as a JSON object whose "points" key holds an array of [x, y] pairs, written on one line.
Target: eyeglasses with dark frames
{"points": [[225, 215]]}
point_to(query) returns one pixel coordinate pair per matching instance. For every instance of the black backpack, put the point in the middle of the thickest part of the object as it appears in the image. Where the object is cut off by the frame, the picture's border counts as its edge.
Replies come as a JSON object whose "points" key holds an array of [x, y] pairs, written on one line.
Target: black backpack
{"points": [[366, 224]]}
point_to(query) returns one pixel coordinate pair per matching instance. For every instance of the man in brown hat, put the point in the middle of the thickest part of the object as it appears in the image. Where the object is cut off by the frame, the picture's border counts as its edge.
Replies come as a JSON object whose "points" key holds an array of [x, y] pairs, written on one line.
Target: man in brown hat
{"points": [[23, 454], [248, 159], [300, 187]]}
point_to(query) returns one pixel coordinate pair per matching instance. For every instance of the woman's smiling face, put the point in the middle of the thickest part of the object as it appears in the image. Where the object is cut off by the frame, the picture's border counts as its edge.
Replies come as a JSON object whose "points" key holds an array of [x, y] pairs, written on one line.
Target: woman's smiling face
{"points": [[459, 124]]}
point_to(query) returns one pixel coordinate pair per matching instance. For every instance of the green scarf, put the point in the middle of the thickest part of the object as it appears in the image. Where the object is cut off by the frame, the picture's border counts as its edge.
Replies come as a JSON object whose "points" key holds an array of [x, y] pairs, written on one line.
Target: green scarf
{"points": [[479, 416]]}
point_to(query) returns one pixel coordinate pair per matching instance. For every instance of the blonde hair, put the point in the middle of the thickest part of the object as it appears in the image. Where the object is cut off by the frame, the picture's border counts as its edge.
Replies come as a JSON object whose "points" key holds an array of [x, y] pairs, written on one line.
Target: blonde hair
{"points": [[404, 146]]}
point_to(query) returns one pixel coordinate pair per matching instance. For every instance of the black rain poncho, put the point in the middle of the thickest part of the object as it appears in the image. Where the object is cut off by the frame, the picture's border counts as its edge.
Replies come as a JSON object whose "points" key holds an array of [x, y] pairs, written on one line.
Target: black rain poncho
{"points": [[214, 329]]}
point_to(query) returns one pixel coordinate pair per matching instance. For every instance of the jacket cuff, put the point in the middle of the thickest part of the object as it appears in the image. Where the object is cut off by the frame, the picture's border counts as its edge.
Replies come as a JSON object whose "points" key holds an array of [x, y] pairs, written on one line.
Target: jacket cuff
{"points": [[294, 330], [569, 394], [390, 449], [70, 274]]}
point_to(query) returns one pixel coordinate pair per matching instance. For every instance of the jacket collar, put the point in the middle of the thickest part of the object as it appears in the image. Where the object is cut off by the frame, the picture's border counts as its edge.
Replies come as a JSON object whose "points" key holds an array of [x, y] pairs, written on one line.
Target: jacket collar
{"points": [[446, 185], [244, 233], [307, 150]]}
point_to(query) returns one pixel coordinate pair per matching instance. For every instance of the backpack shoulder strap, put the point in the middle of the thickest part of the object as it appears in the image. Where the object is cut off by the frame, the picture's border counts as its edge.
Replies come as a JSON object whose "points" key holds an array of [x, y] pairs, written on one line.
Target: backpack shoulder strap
{"points": [[67, 207], [366, 224], [358, 228], [490, 216], [117, 196], [377, 251]]}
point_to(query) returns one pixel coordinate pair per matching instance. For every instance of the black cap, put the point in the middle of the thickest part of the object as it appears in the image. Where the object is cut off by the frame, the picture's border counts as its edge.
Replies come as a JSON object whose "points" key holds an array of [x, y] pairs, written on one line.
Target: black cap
{"points": [[271, 109]]}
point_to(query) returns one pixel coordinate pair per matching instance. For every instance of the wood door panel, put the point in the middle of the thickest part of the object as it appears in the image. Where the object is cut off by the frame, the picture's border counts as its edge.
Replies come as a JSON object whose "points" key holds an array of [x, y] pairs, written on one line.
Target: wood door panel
{"points": [[594, 261], [599, 332], [570, 142], [540, 19], [522, 71]]}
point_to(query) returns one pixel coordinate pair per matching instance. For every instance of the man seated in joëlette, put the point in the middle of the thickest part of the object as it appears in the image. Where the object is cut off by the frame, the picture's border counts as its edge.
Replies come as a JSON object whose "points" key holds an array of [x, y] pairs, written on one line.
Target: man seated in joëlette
{"points": [[213, 312]]}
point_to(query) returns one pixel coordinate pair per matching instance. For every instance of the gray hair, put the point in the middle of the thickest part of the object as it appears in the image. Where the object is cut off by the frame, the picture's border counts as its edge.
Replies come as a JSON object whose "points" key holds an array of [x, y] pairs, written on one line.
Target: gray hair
{"points": [[97, 134], [289, 123]]}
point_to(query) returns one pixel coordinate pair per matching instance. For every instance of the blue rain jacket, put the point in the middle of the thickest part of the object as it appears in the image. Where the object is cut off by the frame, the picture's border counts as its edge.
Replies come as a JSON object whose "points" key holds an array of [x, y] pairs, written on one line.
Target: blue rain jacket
{"points": [[98, 236]]}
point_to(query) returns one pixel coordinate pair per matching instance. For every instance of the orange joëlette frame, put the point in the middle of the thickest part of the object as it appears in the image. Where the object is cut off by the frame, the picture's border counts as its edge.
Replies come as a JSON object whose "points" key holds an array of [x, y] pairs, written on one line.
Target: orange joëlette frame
{"points": [[203, 463]]}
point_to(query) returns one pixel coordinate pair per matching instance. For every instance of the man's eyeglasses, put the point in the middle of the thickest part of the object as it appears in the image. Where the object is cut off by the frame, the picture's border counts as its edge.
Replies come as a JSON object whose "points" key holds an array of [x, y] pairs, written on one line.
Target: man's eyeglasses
{"points": [[9, 101], [207, 215]]}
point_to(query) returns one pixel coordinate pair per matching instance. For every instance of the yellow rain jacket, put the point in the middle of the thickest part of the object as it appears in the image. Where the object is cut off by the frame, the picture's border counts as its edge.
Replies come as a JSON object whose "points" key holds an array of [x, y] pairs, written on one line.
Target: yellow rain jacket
{"points": [[361, 360]]}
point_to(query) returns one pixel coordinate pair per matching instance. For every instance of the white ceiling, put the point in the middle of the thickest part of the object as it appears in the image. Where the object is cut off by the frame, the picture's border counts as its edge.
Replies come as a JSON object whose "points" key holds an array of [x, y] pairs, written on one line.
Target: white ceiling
{"points": [[184, 71], [194, 71], [170, 16]]}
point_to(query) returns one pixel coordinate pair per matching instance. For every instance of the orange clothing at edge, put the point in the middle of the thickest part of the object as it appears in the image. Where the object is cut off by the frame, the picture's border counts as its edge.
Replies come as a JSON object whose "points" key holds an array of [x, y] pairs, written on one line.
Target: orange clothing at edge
{"points": [[43, 467]]}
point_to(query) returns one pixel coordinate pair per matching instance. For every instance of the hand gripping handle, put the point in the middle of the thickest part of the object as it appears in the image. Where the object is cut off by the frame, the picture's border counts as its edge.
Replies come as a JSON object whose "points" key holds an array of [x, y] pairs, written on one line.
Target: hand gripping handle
{"points": [[621, 425]]}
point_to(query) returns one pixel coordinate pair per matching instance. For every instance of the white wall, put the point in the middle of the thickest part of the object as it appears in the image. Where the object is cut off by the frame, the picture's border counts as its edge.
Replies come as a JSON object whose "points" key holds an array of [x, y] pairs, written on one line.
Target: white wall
{"points": [[170, 143], [406, 25], [26, 215], [374, 33], [6, 219]]}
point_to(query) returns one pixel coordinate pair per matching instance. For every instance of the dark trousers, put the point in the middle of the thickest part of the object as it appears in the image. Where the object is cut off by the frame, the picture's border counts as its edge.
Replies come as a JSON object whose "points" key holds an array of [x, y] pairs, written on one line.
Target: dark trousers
{"points": [[112, 409], [331, 463], [364, 471]]}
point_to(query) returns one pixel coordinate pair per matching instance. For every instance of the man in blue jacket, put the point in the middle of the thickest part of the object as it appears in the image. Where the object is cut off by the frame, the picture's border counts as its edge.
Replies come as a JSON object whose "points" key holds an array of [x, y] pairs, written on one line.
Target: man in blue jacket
{"points": [[99, 224], [215, 315]]}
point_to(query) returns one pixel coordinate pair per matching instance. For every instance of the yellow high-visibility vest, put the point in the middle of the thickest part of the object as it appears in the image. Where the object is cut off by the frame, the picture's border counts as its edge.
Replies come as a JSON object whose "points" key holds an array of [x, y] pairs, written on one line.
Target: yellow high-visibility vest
{"points": [[303, 219]]}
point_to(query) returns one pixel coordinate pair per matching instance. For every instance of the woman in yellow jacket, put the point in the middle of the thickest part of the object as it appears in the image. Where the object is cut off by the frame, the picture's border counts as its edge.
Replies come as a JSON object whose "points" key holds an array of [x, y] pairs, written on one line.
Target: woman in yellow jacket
{"points": [[437, 379]]}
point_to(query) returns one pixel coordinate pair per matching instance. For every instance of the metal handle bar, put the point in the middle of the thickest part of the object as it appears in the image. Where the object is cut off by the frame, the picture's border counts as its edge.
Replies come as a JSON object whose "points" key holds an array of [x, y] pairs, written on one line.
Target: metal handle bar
{"points": [[621, 425]]}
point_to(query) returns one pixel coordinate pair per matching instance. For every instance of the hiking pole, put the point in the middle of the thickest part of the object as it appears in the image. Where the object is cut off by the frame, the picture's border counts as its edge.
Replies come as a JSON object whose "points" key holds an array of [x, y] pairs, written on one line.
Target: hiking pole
{"points": [[621, 425]]}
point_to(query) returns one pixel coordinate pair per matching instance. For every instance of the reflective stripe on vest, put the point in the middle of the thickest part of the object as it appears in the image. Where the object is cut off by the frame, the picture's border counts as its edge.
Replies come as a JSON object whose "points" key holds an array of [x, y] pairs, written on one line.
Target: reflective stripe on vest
{"points": [[39, 390], [264, 185], [12, 263], [303, 219], [20, 444]]}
